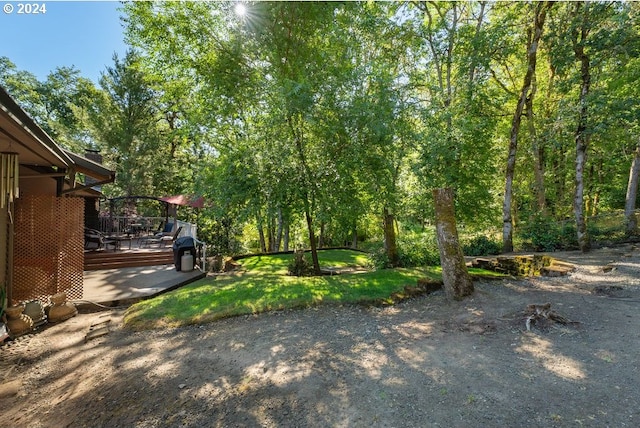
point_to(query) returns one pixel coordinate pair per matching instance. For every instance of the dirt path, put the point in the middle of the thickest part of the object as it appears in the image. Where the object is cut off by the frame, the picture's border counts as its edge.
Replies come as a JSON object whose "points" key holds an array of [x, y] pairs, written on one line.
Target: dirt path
{"points": [[424, 362]]}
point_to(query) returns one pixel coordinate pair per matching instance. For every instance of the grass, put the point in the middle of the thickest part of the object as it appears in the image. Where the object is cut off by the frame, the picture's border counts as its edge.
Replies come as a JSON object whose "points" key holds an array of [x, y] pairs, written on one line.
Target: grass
{"points": [[262, 284]]}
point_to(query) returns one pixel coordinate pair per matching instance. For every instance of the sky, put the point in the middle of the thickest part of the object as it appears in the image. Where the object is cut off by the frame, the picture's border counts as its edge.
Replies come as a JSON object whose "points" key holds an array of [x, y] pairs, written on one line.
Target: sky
{"points": [[84, 34]]}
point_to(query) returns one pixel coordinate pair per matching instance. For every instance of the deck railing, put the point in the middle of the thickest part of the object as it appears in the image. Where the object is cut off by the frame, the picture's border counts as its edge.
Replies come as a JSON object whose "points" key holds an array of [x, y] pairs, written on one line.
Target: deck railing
{"points": [[142, 226], [145, 226]]}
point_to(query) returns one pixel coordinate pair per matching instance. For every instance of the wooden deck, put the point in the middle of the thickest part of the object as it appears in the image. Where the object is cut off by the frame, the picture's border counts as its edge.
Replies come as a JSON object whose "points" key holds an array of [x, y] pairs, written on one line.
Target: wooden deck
{"points": [[124, 258]]}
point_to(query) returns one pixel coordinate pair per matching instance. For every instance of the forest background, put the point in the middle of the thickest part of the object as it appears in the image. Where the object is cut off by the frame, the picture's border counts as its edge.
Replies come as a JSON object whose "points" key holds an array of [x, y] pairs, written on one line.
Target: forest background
{"points": [[330, 124]]}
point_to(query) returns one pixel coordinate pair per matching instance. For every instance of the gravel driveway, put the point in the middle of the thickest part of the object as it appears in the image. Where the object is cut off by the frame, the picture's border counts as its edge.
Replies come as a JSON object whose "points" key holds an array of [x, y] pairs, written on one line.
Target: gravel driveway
{"points": [[425, 362]]}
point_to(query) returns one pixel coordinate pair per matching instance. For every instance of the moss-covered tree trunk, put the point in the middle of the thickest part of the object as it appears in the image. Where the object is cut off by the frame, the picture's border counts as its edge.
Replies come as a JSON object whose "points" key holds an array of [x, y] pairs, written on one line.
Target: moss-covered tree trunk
{"points": [[263, 242], [390, 244], [632, 193], [457, 282], [535, 34], [582, 134]]}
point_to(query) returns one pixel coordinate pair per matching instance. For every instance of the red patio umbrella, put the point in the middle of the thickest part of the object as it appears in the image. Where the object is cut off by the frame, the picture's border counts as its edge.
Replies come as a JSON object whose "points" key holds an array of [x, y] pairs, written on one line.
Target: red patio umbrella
{"points": [[185, 200]]}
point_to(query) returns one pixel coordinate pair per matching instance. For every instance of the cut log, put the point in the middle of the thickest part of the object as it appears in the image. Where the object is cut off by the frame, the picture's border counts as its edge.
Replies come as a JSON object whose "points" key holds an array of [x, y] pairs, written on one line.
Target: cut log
{"points": [[541, 313]]}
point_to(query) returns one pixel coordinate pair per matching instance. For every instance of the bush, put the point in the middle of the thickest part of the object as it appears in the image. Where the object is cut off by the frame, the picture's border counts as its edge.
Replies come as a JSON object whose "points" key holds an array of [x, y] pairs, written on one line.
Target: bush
{"points": [[378, 258], [481, 246], [544, 234], [418, 250], [414, 249]]}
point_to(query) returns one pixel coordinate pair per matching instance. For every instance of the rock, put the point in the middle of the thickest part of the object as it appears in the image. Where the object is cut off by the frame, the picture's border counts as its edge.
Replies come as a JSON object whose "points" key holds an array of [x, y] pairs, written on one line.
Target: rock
{"points": [[11, 388]]}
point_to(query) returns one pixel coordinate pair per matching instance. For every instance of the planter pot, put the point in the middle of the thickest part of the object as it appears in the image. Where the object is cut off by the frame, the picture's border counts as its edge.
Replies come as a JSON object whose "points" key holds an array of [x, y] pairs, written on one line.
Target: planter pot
{"points": [[35, 310], [61, 309], [14, 312], [18, 323], [58, 299]]}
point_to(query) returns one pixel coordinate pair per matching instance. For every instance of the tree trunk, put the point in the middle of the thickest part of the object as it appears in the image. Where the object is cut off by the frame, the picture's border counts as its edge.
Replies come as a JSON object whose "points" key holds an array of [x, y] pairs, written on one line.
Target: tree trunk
{"points": [[390, 245], [285, 243], [532, 49], [354, 242], [632, 193], [538, 153], [312, 240], [308, 190], [581, 136], [559, 167], [279, 232], [578, 202], [321, 243], [457, 282], [271, 231], [596, 183], [263, 244]]}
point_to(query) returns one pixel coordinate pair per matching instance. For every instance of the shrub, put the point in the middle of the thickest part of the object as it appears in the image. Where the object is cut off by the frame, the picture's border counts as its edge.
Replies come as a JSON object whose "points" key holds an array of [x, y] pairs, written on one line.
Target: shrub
{"points": [[414, 249], [544, 234], [481, 246], [418, 249], [378, 258]]}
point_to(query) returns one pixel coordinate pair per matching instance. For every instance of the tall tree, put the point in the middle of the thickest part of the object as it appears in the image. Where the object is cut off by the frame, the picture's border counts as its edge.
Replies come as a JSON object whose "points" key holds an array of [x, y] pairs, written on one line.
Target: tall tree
{"points": [[579, 39], [526, 95], [125, 120], [54, 103], [451, 49]]}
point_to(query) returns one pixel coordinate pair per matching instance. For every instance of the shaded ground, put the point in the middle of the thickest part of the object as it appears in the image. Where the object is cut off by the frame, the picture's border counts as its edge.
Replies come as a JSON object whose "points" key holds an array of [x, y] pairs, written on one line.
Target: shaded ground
{"points": [[424, 362]]}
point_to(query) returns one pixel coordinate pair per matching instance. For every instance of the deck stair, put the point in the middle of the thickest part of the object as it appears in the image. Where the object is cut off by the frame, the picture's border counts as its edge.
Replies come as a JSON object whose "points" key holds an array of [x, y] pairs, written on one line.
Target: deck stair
{"points": [[99, 260]]}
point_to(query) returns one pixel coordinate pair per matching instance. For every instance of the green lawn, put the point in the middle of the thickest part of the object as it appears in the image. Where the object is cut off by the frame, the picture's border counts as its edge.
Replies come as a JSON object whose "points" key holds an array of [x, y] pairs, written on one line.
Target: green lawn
{"points": [[262, 284]]}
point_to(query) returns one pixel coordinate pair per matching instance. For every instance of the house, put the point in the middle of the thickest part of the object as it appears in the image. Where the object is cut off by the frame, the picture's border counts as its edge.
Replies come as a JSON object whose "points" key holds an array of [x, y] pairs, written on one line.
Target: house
{"points": [[42, 206]]}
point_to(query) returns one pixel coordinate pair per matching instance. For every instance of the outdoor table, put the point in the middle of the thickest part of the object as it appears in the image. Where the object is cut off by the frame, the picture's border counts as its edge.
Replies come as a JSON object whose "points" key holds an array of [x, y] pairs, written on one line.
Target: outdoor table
{"points": [[116, 241]]}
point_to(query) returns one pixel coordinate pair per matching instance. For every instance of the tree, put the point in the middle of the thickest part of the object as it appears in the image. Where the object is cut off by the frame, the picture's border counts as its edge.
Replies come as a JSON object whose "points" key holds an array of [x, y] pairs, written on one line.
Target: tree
{"points": [[582, 137], [526, 96], [124, 118], [23, 86], [54, 103], [329, 115], [458, 108]]}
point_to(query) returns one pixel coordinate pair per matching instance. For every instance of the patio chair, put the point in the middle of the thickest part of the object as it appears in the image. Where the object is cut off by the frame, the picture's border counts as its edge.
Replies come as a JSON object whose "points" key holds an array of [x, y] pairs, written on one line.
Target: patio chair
{"points": [[166, 231], [92, 236], [158, 229], [161, 239]]}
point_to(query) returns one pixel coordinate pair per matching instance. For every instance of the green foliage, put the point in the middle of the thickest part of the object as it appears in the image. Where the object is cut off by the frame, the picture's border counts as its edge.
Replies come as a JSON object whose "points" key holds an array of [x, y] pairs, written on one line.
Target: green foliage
{"points": [[544, 234], [481, 246], [55, 103], [342, 110], [378, 258], [415, 249], [223, 235], [418, 249], [607, 228]]}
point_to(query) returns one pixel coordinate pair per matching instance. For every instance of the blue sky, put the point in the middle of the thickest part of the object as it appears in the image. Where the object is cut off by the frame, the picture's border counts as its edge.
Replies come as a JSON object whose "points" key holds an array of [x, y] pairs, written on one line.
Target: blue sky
{"points": [[84, 34]]}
